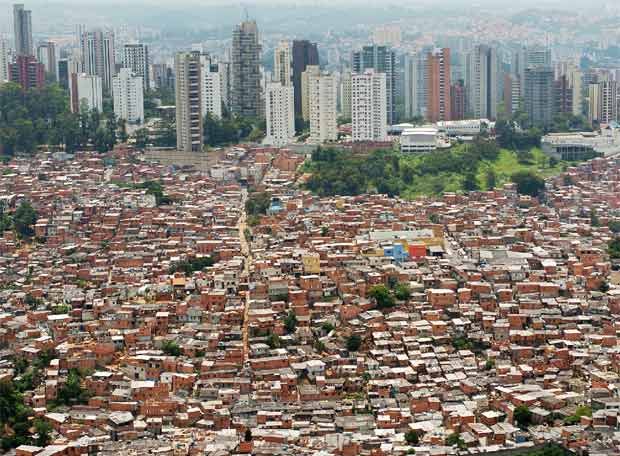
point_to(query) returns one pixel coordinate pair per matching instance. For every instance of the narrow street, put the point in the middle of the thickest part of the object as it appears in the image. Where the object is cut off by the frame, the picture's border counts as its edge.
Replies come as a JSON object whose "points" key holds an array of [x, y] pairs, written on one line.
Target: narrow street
{"points": [[246, 250]]}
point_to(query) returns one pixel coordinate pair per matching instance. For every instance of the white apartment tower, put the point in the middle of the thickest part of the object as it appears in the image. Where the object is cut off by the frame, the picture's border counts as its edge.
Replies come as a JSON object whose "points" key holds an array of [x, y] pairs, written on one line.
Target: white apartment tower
{"points": [[482, 83], [312, 71], [323, 98], [369, 106], [188, 95], [86, 92], [416, 81], [128, 92], [4, 60], [99, 56], [280, 114], [211, 88], [345, 96], [136, 57], [282, 64]]}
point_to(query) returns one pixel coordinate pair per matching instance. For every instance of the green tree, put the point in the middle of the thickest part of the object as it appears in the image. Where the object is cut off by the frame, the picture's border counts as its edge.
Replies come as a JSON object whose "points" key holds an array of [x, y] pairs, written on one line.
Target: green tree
{"points": [[613, 248], [402, 291], [273, 341], [353, 342], [72, 391], [24, 219], [258, 203], [43, 430], [470, 182], [142, 137], [382, 296], [290, 322], [171, 348], [456, 440], [522, 416], [528, 183], [412, 437], [614, 226], [490, 178]]}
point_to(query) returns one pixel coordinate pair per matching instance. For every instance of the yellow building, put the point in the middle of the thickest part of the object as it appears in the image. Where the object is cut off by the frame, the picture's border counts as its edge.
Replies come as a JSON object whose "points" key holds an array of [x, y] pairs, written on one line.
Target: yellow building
{"points": [[312, 263]]}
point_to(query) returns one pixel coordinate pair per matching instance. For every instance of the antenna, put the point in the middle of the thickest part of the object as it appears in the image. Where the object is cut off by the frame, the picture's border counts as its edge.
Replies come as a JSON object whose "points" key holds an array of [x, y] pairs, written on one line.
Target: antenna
{"points": [[245, 11]]}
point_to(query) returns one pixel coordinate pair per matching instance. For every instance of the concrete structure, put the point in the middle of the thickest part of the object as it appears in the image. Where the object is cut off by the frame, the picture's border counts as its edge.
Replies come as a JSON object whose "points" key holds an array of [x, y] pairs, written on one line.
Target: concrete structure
{"points": [[46, 54], [86, 92], [346, 94], [512, 93], [574, 77], [282, 64], [383, 60], [246, 76], [538, 95], [27, 72], [458, 100], [188, 95], [22, 28], [482, 83], [529, 57], [136, 57], [419, 140], [438, 104], [369, 106], [312, 71], [469, 127], [415, 84], [280, 114], [603, 102], [582, 145], [304, 53], [128, 92], [4, 60], [98, 54], [211, 88], [562, 96], [322, 99]]}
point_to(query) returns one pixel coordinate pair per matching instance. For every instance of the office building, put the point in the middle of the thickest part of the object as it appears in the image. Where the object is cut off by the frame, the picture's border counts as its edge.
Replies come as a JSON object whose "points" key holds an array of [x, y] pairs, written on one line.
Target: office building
{"points": [[188, 91], [27, 72], [128, 95], [538, 95], [136, 57], [457, 100], [246, 75], [86, 93], [280, 114], [312, 71], [163, 76], [322, 100], [383, 60], [304, 53], [22, 27], [529, 57], [4, 60], [438, 100], [415, 84], [369, 106], [98, 56], [282, 64], [482, 83], [46, 53], [211, 88]]}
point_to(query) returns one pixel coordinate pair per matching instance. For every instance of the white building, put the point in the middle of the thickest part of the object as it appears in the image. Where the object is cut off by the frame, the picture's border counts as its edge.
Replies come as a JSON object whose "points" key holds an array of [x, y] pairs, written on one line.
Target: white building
{"points": [[188, 96], [211, 88], [416, 80], [369, 106], [322, 97], [280, 114], [282, 63], [312, 71], [419, 140], [4, 60], [482, 83], [345, 95], [127, 89], [86, 92], [468, 127], [603, 102]]}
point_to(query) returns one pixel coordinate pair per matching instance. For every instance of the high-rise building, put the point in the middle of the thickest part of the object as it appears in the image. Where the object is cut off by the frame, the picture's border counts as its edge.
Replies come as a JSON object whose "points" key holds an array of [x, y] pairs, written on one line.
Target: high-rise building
{"points": [[46, 53], [346, 94], [22, 27], [128, 96], [136, 57], [512, 93], [224, 70], [246, 76], [438, 104], [304, 53], [280, 114], [311, 72], [4, 60], [383, 60], [98, 56], [163, 76], [575, 78], [63, 73], [482, 82], [27, 72], [415, 84], [322, 98], [562, 96], [282, 63], [369, 106], [457, 100], [188, 101], [86, 92], [603, 102], [529, 57], [388, 35], [211, 88], [538, 95]]}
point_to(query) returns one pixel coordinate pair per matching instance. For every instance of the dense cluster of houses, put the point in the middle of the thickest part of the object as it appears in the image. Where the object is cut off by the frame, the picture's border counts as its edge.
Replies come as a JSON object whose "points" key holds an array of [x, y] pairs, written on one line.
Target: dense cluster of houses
{"points": [[501, 307]]}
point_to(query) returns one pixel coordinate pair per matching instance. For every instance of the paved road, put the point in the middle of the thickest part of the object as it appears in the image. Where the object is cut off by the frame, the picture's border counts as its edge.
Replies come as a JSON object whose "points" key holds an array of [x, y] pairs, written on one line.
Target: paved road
{"points": [[246, 250]]}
